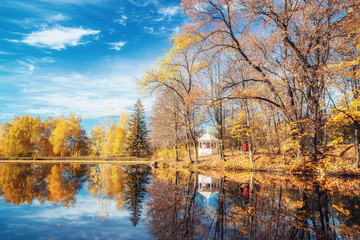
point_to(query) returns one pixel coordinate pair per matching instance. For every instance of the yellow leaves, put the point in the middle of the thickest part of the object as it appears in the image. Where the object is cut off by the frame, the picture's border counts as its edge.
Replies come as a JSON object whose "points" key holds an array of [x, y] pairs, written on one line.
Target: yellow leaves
{"points": [[169, 154], [344, 115], [336, 141], [183, 41], [341, 209], [21, 137], [109, 139], [64, 130]]}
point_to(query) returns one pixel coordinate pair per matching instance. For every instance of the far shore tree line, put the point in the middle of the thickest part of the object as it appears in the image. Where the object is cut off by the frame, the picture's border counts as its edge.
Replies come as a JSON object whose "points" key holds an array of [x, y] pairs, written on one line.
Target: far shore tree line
{"points": [[28, 136], [278, 75]]}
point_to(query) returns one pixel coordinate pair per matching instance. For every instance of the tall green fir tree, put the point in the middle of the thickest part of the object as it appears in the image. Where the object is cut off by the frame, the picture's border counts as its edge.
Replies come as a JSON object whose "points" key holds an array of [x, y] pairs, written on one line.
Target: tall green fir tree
{"points": [[138, 133]]}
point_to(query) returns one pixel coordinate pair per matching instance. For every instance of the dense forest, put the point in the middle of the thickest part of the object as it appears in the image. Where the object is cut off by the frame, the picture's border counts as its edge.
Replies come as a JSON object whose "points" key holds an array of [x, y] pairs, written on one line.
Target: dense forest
{"points": [[277, 75]]}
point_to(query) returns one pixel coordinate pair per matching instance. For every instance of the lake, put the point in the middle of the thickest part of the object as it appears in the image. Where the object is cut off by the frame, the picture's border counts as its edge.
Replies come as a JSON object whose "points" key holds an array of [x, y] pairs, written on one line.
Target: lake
{"points": [[110, 201]]}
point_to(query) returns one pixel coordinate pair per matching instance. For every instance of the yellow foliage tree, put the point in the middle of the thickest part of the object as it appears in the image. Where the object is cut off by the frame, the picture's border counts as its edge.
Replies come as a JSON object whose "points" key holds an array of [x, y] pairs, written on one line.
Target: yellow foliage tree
{"points": [[68, 137], [109, 139], [23, 136]]}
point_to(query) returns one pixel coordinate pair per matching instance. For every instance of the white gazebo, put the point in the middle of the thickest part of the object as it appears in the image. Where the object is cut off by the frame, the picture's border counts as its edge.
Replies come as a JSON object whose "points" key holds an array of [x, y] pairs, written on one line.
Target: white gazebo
{"points": [[208, 145]]}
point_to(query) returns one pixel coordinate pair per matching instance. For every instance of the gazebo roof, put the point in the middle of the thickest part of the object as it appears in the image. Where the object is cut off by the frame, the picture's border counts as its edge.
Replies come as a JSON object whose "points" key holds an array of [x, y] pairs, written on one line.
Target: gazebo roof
{"points": [[208, 195], [208, 138]]}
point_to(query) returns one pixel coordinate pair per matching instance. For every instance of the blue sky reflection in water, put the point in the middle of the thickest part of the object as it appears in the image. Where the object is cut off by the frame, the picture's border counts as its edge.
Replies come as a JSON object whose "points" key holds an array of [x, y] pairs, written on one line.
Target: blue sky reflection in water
{"points": [[72, 201], [83, 221]]}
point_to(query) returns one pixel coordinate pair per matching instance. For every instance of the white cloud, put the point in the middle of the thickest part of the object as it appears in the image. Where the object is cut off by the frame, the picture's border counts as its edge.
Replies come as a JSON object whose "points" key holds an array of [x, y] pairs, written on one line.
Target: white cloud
{"points": [[25, 67], [177, 29], [87, 94], [57, 18], [117, 45], [76, 2], [143, 3], [121, 20], [58, 37], [149, 29], [86, 207], [169, 11]]}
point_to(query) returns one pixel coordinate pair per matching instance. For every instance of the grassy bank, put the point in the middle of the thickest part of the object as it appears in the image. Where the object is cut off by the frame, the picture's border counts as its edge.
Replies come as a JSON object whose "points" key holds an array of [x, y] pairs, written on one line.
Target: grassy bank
{"points": [[339, 161]]}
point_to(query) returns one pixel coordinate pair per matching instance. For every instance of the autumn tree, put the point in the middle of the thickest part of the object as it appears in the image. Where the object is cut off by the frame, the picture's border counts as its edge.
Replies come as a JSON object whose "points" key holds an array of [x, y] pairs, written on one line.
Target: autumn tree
{"points": [[166, 122], [177, 71], [68, 137], [23, 136], [346, 111], [108, 139], [97, 136], [45, 148], [138, 133]]}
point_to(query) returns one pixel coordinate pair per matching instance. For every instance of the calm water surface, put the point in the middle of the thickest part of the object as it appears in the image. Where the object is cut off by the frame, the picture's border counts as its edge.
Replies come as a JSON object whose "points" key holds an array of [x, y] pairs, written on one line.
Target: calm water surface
{"points": [[104, 201]]}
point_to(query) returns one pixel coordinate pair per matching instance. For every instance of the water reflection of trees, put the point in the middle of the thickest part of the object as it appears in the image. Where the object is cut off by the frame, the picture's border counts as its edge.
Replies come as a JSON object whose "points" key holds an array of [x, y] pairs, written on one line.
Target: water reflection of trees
{"points": [[135, 191], [249, 209], [174, 212], [55, 183], [60, 183], [123, 184]]}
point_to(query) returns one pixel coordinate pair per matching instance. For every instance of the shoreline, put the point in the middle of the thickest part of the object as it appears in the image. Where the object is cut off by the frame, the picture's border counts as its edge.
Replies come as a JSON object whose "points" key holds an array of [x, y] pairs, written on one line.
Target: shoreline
{"points": [[339, 162], [77, 161]]}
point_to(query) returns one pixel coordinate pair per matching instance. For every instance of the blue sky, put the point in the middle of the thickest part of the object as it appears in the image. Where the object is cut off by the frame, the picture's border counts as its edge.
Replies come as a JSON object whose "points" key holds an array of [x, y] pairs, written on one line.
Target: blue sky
{"points": [[59, 57]]}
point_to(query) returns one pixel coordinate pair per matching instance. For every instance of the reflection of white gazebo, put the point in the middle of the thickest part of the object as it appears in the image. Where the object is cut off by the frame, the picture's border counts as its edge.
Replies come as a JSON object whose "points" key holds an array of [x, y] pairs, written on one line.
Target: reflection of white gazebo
{"points": [[208, 186], [208, 145]]}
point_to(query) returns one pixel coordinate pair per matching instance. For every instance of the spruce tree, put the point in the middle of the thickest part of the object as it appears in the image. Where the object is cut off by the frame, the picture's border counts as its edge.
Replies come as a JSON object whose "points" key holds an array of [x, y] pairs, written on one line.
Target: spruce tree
{"points": [[138, 133]]}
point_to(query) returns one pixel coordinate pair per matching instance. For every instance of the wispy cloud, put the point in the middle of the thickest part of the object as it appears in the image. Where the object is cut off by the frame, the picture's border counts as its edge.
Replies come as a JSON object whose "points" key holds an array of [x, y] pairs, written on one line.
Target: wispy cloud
{"points": [[25, 67], [149, 29], [176, 30], [58, 37], [57, 18], [76, 2], [28, 65], [143, 3], [4, 53], [169, 11], [86, 93], [121, 20], [117, 45], [162, 31]]}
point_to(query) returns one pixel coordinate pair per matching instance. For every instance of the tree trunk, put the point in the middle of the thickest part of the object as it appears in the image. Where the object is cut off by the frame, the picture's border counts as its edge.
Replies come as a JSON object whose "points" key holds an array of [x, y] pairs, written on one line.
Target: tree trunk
{"points": [[315, 127], [176, 135], [195, 151], [356, 143], [188, 147], [189, 152], [220, 213]]}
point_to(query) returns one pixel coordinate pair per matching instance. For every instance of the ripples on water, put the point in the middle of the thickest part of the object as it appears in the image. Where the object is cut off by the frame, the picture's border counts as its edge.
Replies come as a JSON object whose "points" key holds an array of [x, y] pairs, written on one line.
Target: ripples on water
{"points": [[73, 201]]}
